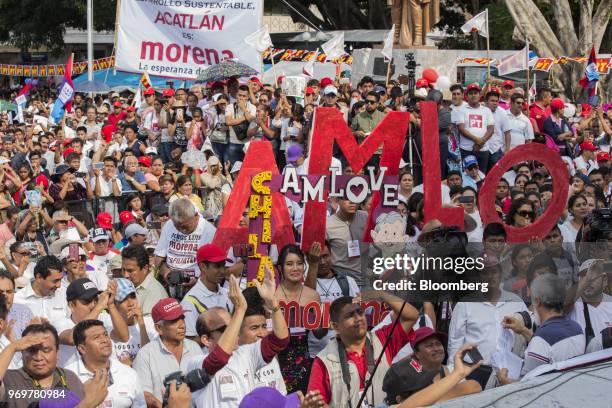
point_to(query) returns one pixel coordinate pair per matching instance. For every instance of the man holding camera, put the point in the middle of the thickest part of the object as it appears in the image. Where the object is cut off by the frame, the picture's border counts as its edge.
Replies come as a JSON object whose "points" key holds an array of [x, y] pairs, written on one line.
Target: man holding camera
{"points": [[95, 348], [207, 292]]}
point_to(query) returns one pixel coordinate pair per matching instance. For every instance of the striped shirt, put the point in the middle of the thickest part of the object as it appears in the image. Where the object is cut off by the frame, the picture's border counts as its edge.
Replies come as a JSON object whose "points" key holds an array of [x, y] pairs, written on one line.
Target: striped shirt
{"points": [[558, 339]]}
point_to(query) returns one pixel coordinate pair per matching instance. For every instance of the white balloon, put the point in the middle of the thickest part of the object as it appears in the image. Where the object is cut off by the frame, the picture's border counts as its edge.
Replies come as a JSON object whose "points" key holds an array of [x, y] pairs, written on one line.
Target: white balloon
{"points": [[569, 111], [443, 83], [306, 36]]}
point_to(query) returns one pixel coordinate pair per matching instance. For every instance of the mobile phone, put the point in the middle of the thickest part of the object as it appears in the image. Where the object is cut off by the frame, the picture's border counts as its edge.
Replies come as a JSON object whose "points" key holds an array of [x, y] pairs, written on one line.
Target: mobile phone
{"points": [[98, 166], [7, 138], [79, 174], [345, 81], [471, 357], [466, 200], [154, 225]]}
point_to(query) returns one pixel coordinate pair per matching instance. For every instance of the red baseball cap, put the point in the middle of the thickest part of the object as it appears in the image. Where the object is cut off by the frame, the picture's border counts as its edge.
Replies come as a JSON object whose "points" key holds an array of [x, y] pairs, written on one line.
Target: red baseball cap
{"points": [[588, 146], [145, 161], [117, 104], [472, 86], [508, 84], [217, 84], [422, 83], [42, 181], [210, 253], [107, 132], [256, 80], [168, 92], [67, 152], [167, 309], [423, 333], [586, 110], [603, 156], [126, 216], [105, 220], [131, 108], [309, 90], [67, 142], [149, 91], [557, 103], [326, 81]]}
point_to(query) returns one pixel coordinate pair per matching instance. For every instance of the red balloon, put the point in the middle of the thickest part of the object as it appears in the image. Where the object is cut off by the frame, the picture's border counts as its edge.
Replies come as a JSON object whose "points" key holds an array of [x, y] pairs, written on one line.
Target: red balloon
{"points": [[430, 74]]}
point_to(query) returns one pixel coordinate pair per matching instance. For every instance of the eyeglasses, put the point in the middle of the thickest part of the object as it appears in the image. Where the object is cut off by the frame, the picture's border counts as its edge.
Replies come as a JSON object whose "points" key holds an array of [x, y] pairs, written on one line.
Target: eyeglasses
{"points": [[369, 102], [525, 214], [23, 253], [219, 329]]}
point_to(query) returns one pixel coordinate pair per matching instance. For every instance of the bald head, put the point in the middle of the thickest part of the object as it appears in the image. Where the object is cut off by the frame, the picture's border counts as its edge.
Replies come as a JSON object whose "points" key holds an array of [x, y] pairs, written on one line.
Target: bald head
{"points": [[211, 324]]}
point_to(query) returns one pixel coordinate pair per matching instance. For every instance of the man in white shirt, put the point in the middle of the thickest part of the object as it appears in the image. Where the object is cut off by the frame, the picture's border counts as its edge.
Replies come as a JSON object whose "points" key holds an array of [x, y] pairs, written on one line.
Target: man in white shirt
{"points": [[519, 126], [590, 295], [479, 322], [105, 183], [207, 292], [100, 258], [585, 163], [87, 302], [236, 114], [501, 129], [252, 364], [476, 126], [44, 295], [180, 239], [95, 348]]}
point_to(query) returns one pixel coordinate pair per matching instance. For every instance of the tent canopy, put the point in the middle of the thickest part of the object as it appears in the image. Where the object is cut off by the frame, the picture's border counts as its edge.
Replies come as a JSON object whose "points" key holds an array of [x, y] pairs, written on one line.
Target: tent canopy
{"points": [[120, 81]]}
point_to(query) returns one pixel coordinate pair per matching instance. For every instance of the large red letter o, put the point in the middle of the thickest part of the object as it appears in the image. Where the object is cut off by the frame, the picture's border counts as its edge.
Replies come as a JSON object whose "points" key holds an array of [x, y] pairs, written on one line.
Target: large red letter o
{"points": [[558, 171]]}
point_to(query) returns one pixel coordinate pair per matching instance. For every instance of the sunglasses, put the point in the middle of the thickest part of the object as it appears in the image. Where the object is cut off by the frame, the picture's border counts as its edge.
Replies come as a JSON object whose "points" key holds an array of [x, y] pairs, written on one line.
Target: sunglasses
{"points": [[371, 102], [526, 214], [473, 167]]}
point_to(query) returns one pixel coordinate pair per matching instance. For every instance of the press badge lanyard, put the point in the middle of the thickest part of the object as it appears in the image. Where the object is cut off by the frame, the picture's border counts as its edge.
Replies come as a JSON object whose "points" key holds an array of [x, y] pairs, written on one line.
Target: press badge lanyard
{"points": [[353, 244], [62, 379]]}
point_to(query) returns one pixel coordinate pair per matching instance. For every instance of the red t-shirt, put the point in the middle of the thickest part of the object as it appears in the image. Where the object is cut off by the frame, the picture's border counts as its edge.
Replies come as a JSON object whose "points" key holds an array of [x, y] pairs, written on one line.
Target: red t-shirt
{"points": [[114, 119], [319, 377], [537, 113]]}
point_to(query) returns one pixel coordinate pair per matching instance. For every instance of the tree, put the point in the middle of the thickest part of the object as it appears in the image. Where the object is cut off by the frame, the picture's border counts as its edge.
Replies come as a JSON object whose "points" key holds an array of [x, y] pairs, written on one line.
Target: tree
{"points": [[31, 24], [565, 39]]}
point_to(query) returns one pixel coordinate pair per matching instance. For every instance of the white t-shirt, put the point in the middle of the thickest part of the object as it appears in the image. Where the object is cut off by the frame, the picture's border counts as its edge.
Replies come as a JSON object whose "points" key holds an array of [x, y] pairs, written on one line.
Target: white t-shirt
{"points": [[335, 163], [476, 120], [601, 316], [329, 290], [180, 249], [130, 348], [456, 112], [205, 298], [230, 384], [100, 264], [229, 111], [581, 164], [68, 354], [106, 186], [501, 127], [445, 192], [520, 129]]}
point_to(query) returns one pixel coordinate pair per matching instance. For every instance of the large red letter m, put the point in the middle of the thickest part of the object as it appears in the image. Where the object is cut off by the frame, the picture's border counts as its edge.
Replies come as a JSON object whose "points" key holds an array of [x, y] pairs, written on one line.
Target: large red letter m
{"points": [[328, 125]]}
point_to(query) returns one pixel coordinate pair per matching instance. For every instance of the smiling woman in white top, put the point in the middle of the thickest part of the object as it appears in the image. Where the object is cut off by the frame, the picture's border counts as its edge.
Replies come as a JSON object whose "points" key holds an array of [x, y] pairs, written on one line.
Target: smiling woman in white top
{"points": [[578, 208]]}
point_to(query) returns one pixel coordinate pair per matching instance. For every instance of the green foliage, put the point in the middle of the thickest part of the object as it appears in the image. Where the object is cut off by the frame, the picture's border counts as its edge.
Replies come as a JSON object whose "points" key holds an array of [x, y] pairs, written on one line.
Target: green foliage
{"points": [[30, 24]]}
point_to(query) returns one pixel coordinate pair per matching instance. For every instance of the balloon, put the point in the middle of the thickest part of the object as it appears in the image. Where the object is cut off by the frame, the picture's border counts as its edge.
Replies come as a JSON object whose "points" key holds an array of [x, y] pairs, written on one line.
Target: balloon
{"points": [[569, 111], [443, 83], [35, 82], [306, 36], [430, 74]]}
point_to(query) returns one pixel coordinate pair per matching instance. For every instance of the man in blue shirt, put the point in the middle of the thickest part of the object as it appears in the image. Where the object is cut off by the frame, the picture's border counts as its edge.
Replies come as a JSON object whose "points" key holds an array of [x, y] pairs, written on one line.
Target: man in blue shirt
{"points": [[131, 178]]}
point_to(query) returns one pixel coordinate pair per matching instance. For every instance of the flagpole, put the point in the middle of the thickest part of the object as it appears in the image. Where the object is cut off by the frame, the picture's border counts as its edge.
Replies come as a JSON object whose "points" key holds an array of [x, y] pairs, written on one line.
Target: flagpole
{"points": [[527, 66], [388, 72], [274, 71], [488, 57]]}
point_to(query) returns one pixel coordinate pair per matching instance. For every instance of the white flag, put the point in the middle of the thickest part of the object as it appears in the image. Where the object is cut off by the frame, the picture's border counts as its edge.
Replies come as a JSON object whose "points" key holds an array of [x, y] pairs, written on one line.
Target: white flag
{"points": [[137, 102], [334, 48], [387, 50], [479, 23], [309, 67], [513, 63], [260, 39]]}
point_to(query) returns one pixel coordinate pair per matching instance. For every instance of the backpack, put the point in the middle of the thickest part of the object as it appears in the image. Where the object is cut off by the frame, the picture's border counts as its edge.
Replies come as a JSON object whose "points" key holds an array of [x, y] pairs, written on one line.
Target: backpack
{"points": [[343, 283]]}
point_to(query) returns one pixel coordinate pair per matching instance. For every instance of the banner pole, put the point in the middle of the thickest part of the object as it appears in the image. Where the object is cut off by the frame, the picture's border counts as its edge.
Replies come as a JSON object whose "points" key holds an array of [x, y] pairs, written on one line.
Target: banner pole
{"points": [[388, 72], [274, 71], [488, 49], [527, 66]]}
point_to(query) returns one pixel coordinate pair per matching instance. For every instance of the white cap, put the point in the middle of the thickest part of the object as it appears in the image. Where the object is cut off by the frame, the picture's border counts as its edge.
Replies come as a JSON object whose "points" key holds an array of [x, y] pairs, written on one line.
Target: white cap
{"points": [[330, 89], [151, 150], [586, 265]]}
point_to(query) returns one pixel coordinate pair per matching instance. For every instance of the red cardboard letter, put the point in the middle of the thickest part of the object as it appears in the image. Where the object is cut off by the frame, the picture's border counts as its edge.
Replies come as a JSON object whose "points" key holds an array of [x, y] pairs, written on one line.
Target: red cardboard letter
{"points": [[558, 171], [329, 124]]}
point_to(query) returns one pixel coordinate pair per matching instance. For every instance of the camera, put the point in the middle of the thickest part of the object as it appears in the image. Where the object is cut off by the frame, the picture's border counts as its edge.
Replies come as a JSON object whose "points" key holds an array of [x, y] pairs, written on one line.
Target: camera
{"points": [[472, 356], [195, 380], [176, 284]]}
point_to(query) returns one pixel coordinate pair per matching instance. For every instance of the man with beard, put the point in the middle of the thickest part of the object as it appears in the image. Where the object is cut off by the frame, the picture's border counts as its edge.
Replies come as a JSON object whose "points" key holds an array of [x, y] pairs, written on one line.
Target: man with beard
{"points": [[207, 292], [95, 348], [365, 122], [338, 372]]}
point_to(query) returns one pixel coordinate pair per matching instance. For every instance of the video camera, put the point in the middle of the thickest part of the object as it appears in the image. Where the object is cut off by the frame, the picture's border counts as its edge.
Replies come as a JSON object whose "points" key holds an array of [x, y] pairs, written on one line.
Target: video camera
{"points": [[176, 284], [411, 69], [195, 380], [595, 235]]}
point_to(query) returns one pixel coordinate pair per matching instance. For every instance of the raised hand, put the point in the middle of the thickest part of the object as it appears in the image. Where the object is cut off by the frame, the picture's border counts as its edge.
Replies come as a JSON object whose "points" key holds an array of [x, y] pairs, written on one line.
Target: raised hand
{"points": [[30, 340], [235, 294], [267, 288], [462, 368], [314, 254]]}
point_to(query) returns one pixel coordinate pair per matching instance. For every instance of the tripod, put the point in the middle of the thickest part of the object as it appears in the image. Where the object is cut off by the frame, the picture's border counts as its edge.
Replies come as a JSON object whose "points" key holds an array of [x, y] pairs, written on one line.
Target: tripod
{"points": [[410, 106]]}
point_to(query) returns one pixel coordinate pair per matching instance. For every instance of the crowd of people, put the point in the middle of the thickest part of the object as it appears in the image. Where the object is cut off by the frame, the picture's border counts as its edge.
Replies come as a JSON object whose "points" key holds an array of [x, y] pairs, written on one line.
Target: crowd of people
{"points": [[114, 293]]}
